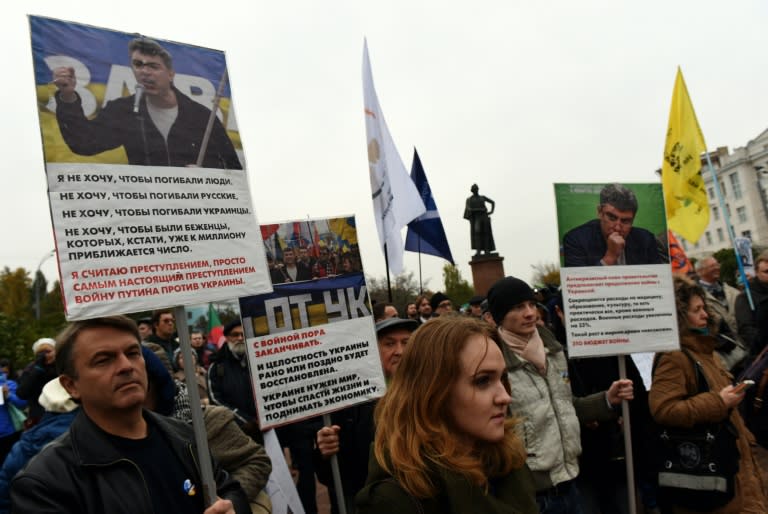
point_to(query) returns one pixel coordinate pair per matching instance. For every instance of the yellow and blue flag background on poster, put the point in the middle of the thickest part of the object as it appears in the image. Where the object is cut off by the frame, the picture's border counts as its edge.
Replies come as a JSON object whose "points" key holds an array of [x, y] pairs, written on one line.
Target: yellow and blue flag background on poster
{"points": [[311, 343], [102, 67], [684, 192]]}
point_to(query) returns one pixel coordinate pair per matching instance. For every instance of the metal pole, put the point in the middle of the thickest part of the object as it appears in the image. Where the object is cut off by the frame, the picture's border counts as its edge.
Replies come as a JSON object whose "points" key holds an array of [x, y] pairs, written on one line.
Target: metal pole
{"points": [[627, 441], [336, 473], [731, 233], [201, 436]]}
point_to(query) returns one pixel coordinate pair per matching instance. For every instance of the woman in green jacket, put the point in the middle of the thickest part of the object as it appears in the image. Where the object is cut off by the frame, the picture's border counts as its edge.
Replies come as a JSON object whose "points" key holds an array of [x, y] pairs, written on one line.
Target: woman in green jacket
{"points": [[444, 442]]}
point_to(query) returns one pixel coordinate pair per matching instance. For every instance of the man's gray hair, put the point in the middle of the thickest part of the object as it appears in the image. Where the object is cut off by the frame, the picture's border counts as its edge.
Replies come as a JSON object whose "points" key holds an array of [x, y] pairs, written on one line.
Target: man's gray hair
{"points": [[620, 197], [702, 263]]}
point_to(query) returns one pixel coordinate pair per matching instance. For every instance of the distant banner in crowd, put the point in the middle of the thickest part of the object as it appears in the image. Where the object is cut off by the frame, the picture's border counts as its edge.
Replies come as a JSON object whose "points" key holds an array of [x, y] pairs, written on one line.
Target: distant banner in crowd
{"points": [[744, 249], [615, 279], [311, 343], [147, 188]]}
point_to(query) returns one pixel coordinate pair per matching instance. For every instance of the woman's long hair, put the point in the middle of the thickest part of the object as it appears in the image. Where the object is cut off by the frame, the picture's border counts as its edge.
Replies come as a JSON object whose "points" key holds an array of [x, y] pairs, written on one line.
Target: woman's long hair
{"points": [[685, 290], [414, 431]]}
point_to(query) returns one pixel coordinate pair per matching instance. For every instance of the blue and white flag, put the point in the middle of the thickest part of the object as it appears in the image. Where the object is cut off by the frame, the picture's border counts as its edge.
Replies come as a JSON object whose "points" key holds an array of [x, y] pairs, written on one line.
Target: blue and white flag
{"points": [[426, 233]]}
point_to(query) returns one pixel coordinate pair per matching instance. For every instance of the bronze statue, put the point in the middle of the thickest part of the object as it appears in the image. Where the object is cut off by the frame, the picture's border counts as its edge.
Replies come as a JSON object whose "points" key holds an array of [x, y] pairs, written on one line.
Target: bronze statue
{"points": [[480, 221]]}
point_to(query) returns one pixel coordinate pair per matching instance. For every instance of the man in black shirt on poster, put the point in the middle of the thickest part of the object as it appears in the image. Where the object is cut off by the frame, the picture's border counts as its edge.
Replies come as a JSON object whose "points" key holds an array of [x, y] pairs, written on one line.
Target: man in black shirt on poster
{"points": [[158, 125]]}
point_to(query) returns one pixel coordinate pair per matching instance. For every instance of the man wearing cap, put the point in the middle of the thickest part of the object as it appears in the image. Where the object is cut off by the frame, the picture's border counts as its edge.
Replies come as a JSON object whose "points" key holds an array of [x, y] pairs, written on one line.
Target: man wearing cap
{"points": [[352, 431], [611, 239], [440, 304], [475, 306], [538, 375], [34, 377]]}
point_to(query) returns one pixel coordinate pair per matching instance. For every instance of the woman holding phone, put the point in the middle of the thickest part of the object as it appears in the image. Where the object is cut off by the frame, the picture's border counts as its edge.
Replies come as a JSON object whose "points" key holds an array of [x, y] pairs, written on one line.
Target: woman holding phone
{"points": [[674, 399]]}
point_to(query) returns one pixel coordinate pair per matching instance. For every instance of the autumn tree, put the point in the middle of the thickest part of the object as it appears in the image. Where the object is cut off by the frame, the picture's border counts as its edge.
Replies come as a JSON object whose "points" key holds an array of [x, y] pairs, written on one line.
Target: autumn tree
{"points": [[546, 274], [19, 326], [729, 269], [405, 289], [456, 288]]}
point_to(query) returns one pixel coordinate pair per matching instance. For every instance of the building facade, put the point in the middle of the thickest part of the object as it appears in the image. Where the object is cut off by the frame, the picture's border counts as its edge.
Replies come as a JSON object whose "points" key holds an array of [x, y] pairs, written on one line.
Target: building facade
{"points": [[742, 176]]}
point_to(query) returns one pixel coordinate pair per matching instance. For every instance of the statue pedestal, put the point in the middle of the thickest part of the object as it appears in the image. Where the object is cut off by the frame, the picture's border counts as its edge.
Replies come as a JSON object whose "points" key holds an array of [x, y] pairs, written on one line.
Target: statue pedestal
{"points": [[486, 271]]}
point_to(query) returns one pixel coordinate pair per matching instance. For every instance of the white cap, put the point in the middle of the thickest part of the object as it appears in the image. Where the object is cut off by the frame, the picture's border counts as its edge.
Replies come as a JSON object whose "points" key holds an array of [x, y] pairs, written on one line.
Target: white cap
{"points": [[55, 398], [42, 341]]}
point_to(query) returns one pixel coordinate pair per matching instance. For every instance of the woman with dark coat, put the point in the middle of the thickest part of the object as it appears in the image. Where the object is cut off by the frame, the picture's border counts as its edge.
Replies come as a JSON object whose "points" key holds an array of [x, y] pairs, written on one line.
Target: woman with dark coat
{"points": [[674, 399], [444, 441]]}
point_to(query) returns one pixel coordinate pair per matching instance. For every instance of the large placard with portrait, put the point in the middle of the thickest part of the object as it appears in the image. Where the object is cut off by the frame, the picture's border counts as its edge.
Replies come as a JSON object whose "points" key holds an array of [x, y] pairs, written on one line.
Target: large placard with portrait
{"points": [[615, 277], [147, 180]]}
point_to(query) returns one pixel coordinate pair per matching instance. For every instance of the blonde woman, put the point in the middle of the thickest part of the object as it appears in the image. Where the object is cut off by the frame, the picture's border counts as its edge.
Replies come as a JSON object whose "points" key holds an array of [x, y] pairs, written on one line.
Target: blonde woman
{"points": [[444, 442]]}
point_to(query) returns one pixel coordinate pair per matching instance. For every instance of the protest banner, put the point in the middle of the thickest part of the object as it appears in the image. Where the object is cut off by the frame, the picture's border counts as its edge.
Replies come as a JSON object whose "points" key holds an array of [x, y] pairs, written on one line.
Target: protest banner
{"points": [[311, 343], [743, 247], [615, 279], [147, 185]]}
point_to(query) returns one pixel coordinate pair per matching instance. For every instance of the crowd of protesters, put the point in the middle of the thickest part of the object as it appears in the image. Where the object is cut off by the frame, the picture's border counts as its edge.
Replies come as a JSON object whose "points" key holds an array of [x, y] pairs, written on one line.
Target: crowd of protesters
{"points": [[299, 263], [484, 411]]}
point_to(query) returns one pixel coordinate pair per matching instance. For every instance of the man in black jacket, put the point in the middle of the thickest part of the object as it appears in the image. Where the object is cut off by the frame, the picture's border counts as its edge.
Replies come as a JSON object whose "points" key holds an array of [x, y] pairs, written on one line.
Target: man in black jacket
{"points": [[157, 126], [611, 239], [164, 332], [229, 380], [753, 323], [116, 457]]}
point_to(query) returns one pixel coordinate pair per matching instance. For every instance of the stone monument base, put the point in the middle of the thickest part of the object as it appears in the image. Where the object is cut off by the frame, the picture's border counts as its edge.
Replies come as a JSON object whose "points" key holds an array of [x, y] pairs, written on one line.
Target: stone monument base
{"points": [[487, 269]]}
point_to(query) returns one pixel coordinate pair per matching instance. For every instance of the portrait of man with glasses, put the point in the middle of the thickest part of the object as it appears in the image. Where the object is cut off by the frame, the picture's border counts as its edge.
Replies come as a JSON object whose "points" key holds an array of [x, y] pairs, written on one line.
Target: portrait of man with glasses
{"points": [[612, 239]]}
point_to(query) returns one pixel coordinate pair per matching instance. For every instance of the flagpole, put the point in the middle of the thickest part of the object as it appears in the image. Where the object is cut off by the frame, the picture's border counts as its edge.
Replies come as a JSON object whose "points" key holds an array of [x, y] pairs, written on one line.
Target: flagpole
{"points": [[731, 233], [386, 265], [421, 288]]}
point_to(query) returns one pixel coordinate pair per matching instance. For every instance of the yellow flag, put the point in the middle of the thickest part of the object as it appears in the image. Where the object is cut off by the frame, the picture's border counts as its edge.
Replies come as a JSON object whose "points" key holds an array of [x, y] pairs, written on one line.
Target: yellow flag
{"points": [[684, 193]]}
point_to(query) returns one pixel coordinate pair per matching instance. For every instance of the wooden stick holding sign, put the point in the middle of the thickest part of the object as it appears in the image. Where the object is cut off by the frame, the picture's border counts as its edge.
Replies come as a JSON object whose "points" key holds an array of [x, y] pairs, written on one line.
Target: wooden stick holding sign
{"points": [[201, 435]]}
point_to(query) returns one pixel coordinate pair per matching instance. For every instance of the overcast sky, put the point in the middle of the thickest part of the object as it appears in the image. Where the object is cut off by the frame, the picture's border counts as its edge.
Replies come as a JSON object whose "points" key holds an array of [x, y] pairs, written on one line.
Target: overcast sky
{"points": [[513, 96]]}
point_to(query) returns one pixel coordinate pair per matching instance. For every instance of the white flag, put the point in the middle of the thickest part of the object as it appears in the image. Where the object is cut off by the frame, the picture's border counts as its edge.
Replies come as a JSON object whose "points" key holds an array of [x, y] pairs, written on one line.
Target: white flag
{"points": [[396, 201]]}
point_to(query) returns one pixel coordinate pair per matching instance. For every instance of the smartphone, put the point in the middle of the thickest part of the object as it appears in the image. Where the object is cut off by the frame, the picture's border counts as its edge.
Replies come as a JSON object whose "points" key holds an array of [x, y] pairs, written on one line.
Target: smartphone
{"points": [[745, 384]]}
